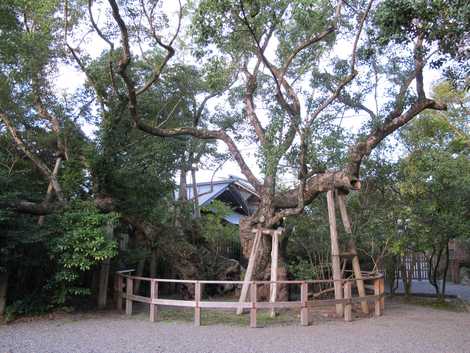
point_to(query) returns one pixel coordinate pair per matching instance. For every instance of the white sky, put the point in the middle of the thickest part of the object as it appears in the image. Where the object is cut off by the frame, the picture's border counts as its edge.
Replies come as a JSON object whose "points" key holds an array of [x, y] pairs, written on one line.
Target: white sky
{"points": [[69, 79]]}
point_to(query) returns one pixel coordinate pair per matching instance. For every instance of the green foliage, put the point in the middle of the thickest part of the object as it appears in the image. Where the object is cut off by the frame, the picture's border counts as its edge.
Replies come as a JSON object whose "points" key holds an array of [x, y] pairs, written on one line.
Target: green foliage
{"points": [[308, 246], [83, 244], [213, 226], [443, 21], [34, 304], [443, 24], [303, 269]]}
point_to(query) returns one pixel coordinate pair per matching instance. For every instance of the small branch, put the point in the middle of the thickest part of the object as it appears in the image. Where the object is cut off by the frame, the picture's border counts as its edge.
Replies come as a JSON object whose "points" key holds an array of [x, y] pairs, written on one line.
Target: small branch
{"points": [[109, 42], [350, 77]]}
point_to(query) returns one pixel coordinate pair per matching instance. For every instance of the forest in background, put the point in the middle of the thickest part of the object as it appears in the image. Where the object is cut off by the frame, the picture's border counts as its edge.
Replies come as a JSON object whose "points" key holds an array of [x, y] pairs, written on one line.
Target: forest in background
{"points": [[75, 206]]}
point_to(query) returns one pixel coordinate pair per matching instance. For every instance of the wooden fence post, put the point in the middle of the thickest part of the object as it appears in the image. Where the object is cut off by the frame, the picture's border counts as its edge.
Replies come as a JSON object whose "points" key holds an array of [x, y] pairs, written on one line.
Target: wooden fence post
{"points": [[153, 296], [304, 307], [377, 300], [197, 299], [119, 285], [253, 295], [129, 293], [348, 306]]}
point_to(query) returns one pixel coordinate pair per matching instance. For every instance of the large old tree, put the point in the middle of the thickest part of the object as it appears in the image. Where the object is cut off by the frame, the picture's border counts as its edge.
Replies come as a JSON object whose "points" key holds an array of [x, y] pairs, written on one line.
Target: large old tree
{"points": [[302, 66], [288, 73]]}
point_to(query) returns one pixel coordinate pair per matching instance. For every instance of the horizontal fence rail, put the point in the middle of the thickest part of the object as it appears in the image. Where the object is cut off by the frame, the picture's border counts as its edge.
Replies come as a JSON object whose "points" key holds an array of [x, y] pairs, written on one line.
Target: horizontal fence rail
{"points": [[124, 290]]}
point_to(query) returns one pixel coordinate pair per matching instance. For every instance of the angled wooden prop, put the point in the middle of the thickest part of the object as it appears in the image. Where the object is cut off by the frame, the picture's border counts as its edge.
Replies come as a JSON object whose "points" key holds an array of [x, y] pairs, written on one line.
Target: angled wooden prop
{"points": [[249, 270], [352, 249]]}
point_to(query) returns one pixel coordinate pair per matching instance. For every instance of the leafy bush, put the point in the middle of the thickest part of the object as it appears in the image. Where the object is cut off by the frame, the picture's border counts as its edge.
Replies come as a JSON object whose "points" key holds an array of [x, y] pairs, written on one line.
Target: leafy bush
{"points": [[83, 244]]}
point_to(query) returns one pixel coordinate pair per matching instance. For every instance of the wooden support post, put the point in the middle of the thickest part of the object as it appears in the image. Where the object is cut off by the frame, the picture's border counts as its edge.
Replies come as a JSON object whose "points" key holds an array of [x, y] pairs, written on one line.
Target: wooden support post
{"points": [[153, 296], [352, 249], [197, 308], [348, 306], [119, 286], [253, 295], [378, 311], [335, 259], [274, 263], [129, 292], [249, 270], [304, 307], [382, 293]]}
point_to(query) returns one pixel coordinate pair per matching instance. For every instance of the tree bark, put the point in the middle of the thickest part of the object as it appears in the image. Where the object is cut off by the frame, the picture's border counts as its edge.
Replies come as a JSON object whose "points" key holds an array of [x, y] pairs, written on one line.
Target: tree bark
{"points": [[153, 264], [407, 274], [139, 272], [3, 291], [50, 188], [104, 274], [103, 284], [446, 269], [197, 211]]}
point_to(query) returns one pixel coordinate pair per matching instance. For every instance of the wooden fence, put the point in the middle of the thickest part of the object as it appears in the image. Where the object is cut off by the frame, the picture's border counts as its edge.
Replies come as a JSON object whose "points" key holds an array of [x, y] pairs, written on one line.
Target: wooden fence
{"points": [[417, 266], [124, 287]]}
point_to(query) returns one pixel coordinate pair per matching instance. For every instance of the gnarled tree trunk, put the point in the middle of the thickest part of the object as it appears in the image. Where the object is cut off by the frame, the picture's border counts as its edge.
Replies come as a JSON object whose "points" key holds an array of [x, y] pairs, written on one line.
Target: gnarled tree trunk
{"points": [[3, 291]]}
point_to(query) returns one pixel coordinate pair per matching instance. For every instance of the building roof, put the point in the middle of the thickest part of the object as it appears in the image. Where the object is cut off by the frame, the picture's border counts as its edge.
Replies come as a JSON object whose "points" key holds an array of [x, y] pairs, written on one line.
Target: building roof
{"points": [[233, 191]]}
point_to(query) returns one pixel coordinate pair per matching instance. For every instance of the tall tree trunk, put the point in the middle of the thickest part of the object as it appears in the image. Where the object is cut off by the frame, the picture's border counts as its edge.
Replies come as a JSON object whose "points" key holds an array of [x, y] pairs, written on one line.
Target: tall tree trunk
{"points": [[446, 269], [104, 273], [139, 272], [434, 279], [3, 291], [407, 274], [103, 284], [180, 220], [153, 264], [197, 211]]}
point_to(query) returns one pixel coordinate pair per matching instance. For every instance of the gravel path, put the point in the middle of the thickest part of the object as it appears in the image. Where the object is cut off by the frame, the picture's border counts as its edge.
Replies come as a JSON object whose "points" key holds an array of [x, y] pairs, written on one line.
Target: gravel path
{"points": [[403, 328]]}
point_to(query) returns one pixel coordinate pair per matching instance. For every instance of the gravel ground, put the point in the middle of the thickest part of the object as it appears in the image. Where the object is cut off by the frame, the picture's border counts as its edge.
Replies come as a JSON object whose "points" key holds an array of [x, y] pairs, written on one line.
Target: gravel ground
{"points": [[403, 328]]}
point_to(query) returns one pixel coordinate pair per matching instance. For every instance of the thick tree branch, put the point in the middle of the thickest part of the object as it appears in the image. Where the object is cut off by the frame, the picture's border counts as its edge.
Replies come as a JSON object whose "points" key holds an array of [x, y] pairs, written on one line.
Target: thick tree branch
{"points": [[32, 208], [250, 106], [206, 134], [419, 64], [43, 168], [392, 123], [314, 186]]}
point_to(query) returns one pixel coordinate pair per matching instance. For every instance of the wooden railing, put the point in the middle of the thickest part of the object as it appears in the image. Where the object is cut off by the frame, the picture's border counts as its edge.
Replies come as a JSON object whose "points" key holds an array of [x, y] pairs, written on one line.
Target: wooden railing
{"points": [[124, 288]]}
